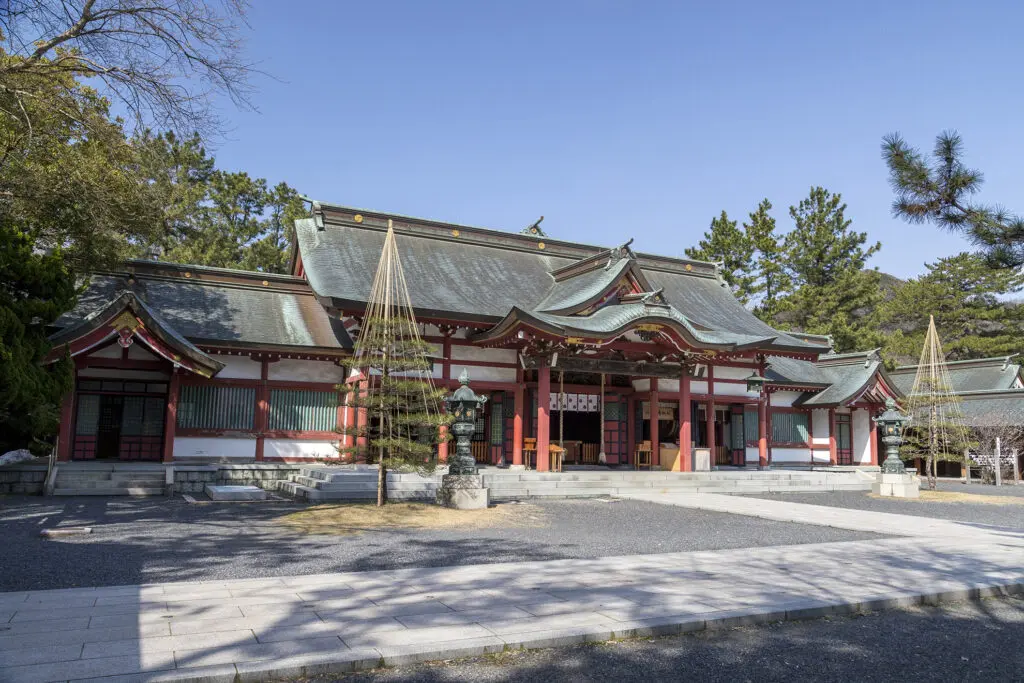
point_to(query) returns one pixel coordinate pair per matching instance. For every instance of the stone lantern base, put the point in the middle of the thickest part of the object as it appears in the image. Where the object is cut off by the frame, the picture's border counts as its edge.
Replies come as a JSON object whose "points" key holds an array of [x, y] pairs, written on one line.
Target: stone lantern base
{"points": [[463, 492], [897, 485]]}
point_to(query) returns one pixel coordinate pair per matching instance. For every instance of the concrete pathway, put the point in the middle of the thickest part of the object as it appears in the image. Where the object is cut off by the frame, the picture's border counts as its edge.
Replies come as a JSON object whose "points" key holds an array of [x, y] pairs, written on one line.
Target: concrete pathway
{"points": [[840, 518], [299, 625]]}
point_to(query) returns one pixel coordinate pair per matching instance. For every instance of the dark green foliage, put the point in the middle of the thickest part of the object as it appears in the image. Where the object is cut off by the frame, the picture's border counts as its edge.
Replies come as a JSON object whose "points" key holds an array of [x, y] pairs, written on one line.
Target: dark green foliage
{"points": [[825, 261], [772, 282], [724, 243], [939, 190], [963, 293], [35, 288], [751, 258], [214, 217]]}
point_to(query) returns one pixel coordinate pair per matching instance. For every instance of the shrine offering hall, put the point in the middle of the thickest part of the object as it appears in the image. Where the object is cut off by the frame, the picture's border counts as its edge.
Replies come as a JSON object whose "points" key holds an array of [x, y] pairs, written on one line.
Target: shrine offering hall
{"points": [[587, 355]]}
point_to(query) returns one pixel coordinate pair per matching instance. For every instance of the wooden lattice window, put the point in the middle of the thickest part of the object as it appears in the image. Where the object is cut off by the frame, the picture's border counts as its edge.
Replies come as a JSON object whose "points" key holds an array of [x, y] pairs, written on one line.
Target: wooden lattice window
{"points": [[790, 428], [750, 425], [299, 410], [217, 407]]}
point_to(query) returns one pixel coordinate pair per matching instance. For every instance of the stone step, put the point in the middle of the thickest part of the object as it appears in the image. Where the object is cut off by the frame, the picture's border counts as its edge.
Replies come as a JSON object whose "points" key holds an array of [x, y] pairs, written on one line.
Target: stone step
{"points": [[129, 491], [92, 484]]}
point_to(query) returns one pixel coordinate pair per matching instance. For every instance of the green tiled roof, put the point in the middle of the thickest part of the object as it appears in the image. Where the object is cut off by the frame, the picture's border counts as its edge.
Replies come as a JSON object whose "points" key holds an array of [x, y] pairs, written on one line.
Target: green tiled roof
{"points": [[1000, 408], [983, 374], [474, 274], [206, 311]]}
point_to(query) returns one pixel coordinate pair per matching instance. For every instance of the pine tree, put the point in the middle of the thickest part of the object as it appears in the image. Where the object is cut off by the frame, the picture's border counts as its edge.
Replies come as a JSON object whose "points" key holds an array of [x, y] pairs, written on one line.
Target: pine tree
{"points": [[962, 294], [726, 244], [394, 389], [213, 217], [37, 288], [771, 282], [824, 259], [937, 428], [939, 189]]}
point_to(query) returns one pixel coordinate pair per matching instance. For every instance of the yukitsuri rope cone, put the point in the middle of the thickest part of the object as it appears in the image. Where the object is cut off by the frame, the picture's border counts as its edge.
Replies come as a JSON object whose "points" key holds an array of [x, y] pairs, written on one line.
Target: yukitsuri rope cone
{"points": [[937, 427], [398, 408]]}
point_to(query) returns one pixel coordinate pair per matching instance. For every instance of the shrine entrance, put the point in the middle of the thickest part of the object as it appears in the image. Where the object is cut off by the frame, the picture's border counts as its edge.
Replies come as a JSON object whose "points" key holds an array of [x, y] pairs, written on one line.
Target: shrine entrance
{"points": [[119, 420]]}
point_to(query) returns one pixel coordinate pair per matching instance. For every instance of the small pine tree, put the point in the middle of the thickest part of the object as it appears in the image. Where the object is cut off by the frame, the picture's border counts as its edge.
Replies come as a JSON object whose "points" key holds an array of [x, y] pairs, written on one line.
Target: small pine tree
{"points": [[394, 390], [937, 428]]}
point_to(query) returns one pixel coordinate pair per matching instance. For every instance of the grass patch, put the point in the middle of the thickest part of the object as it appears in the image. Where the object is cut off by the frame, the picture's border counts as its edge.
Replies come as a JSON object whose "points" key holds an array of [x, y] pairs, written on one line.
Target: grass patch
{"points": [[354, 518], [957, 497]]}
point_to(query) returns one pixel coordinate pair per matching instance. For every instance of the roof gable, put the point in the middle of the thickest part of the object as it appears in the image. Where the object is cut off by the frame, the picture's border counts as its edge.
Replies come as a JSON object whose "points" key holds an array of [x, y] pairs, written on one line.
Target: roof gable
{"points": [[457, 272]]}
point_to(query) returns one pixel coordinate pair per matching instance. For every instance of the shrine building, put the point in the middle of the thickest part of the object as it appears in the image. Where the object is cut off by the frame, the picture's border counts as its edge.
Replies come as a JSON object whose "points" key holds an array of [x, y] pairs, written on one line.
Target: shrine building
{"points": [[605, 356]]}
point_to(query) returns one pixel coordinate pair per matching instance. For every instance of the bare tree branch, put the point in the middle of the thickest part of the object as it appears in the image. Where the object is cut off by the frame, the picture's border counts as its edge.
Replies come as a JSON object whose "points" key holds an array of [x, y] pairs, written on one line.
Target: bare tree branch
{"points": [[159, 59]]}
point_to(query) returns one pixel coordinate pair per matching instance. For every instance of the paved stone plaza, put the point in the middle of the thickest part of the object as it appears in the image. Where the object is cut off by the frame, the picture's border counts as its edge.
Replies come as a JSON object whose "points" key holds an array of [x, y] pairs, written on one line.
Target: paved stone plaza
{"points": [[226, 630]]}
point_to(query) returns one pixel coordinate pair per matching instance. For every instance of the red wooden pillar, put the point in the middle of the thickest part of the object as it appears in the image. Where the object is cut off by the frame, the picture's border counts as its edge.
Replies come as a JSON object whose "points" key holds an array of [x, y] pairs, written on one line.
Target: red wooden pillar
{"points": [[685, 456], [768, 425], [442, 445], [517, 421], [655, 437], [543, 422], [67, 421], [171, 415], [262, 409], [349, 420], [873, 437], [710, 416], [762, 430], [361, 419], [832, 458], [630, 431]]}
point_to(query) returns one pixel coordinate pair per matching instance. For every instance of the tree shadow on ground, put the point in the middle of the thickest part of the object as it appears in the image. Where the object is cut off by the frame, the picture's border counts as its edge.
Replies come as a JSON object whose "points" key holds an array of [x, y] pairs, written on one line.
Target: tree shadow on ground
{"points": [[977, 641]]}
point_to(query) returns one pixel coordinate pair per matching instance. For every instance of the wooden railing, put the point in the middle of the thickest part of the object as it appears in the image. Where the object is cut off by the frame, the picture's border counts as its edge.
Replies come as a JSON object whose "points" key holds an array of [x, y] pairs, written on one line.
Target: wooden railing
{"points": [[590, 451]]}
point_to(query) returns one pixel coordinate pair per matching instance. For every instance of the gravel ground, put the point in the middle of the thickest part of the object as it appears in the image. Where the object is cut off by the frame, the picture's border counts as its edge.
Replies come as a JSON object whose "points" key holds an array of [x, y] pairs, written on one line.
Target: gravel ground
{"points": [[980, 489], [970, 641], [153, 540], [1011, 515]]}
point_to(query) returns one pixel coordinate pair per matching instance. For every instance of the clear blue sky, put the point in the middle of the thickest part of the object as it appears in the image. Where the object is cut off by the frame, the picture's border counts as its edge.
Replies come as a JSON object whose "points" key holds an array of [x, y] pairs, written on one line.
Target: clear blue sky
{"points": [[628, 119]]}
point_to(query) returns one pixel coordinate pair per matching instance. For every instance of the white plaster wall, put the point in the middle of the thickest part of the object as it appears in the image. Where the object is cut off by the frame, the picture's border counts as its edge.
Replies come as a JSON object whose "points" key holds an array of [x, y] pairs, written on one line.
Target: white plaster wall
{"points": [[752, 454], [698, 387], [486, 374], [861, 427], [730, 389], [238, 367], [112, 351], [671, 385], [292, 370], [214, 447], [140, 352], [784, 399], [641, 385], [819, 433], [728, 372], [781, 455], [294, 448], [460, 352]]}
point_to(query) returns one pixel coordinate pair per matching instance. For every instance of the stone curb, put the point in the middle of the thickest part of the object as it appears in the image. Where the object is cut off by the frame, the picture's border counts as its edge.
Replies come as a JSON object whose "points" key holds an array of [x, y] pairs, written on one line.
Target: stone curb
{"points": [[351, 660]]}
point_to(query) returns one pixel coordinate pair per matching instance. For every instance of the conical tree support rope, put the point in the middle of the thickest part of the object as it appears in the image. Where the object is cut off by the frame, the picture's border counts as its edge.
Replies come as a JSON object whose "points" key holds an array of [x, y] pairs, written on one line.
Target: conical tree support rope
{"points": [[935, 407], [390, 354]]}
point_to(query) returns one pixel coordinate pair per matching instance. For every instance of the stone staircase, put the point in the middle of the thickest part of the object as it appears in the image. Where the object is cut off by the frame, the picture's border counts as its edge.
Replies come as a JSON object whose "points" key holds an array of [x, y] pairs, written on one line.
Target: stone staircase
{"points": [[317, 484], [115, 479], [360, 483]]}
